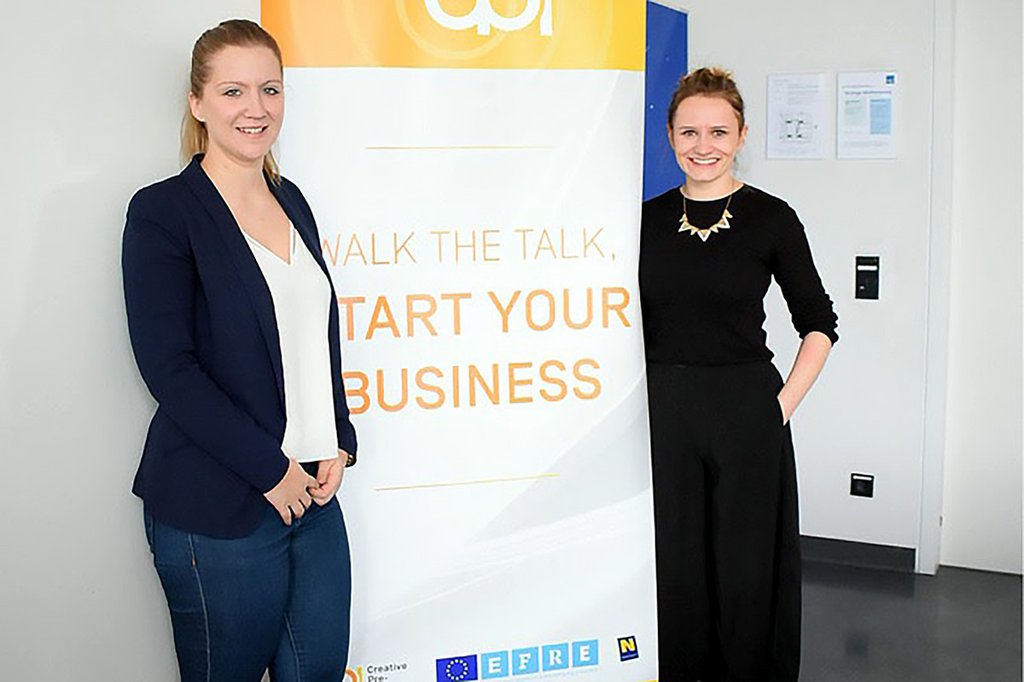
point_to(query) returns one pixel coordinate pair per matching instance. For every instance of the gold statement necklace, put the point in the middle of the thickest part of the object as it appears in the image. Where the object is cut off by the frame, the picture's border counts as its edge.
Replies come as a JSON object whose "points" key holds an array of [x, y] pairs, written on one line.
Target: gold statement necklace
{"points": [[704, 233]]}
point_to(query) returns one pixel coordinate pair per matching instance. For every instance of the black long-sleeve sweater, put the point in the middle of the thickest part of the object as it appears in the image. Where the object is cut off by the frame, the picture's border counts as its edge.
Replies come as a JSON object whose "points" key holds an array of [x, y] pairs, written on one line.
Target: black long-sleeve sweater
{"points": [[703, 301]]}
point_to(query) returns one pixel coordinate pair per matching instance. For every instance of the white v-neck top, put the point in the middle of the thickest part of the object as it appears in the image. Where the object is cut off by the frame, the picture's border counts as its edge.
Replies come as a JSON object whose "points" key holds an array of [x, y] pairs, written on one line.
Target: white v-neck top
{"points": [[302, 300]]}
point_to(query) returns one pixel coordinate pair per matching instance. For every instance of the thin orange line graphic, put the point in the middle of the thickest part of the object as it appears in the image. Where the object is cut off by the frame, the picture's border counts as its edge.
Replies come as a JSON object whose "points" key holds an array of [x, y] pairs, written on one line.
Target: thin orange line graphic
{"points": [[459, 147], [484, 481]]}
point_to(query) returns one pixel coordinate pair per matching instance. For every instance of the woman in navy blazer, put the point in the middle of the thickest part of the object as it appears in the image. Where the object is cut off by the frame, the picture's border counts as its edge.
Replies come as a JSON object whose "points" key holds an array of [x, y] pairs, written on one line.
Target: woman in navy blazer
{"points": [[256, 575]]}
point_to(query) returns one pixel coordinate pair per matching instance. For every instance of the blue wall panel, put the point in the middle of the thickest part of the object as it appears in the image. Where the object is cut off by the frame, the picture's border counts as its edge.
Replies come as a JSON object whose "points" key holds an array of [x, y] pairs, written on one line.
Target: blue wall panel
{"points": [[666, 62]]}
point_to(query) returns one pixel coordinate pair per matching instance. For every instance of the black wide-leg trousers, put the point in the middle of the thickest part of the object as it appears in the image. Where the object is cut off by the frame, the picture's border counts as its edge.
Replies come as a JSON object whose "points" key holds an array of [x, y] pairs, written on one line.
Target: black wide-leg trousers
{"points": [[726, 526]]}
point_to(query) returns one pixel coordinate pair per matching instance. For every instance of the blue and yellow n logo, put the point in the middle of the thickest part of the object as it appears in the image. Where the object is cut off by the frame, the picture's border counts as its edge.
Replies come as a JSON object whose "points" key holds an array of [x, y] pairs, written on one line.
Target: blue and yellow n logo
{"points": [[627, 648]]}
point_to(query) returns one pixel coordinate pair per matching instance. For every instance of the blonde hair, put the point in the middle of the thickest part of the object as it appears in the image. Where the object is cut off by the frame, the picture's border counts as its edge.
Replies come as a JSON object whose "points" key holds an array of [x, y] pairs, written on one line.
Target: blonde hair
{"points": [[230, 33], [708, 82]]}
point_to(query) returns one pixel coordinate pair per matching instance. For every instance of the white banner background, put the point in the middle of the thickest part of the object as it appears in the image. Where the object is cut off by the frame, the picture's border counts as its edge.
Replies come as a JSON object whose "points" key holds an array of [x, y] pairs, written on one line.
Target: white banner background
{"points": [[492, 527]]}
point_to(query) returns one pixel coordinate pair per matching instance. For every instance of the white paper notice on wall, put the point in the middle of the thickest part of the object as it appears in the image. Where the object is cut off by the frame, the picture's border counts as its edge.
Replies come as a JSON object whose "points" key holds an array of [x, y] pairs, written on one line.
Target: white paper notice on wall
{"points": [[866, 108], [796, 114]]}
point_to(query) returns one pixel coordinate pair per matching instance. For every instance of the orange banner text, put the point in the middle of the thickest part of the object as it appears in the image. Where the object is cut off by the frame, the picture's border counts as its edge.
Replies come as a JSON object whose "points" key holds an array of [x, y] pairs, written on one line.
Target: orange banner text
{"points": [[511, 383], [435, 315]]}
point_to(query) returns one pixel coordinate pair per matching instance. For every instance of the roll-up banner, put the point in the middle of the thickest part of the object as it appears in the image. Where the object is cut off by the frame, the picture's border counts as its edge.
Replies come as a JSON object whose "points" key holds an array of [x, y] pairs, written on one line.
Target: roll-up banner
{"points": [[475, 168]]}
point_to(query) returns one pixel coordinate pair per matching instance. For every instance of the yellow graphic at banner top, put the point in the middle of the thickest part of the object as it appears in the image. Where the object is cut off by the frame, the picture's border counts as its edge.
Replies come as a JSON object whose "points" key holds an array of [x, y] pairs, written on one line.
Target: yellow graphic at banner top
{"points": [[475, 34]]}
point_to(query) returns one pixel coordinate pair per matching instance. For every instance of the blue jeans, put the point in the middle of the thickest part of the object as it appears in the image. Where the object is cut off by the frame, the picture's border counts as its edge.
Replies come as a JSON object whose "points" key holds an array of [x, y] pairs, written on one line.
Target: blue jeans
{"points": [[277, 599]]}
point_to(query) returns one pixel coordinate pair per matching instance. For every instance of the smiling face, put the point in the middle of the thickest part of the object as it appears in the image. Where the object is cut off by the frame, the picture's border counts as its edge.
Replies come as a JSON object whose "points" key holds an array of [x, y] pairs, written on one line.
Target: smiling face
{"points": [[241, 104], [705, 135]]}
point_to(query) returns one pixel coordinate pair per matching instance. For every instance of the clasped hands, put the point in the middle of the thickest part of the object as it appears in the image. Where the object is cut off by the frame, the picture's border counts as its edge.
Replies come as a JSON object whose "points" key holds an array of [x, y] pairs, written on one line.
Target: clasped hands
{"points": [[297, 490]]}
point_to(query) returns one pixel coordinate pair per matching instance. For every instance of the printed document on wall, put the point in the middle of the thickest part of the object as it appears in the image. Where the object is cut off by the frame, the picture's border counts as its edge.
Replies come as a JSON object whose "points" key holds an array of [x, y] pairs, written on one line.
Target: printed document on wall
{"points": [[796, 113], [866, 106]]}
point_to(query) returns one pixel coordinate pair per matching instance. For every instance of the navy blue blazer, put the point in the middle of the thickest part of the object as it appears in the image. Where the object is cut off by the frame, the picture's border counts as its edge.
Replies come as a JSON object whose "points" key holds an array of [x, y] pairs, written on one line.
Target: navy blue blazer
{"points": [[202, 326]]}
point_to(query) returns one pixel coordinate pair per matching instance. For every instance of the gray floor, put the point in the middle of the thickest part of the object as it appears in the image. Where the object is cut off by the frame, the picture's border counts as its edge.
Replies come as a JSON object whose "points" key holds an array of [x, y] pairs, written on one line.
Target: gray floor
{"points": [[880, 626]]}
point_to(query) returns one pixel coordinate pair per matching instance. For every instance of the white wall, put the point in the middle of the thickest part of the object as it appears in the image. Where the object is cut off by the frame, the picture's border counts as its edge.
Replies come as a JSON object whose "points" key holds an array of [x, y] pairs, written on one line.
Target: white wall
{"points": [[93, 99], [866, 415], [982, 497]]}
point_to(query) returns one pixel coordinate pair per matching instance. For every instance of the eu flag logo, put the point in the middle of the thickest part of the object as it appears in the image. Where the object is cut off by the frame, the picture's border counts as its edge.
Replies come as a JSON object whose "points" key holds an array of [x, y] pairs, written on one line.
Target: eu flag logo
{"points": [[456, 669]]}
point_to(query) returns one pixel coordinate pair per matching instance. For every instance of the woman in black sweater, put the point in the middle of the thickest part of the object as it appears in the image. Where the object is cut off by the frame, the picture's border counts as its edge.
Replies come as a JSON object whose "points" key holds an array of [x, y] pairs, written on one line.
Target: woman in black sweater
{"points": [[727, 535]]}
